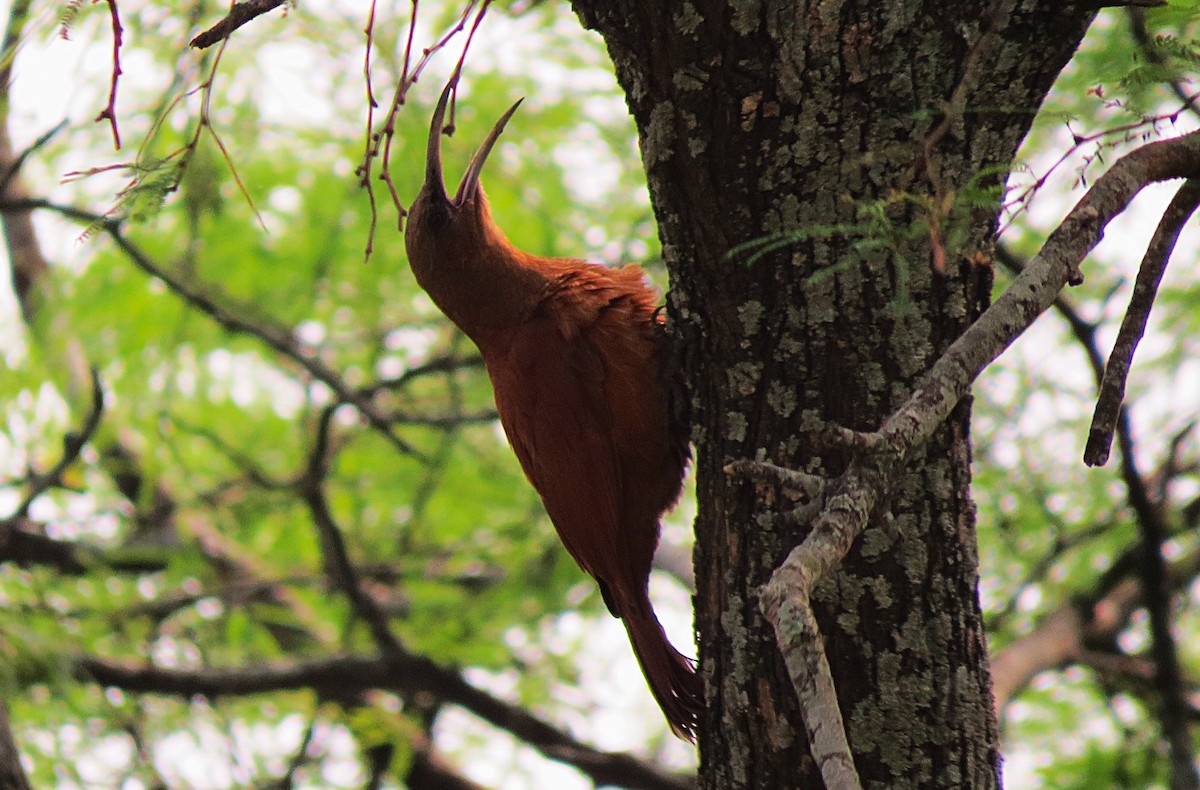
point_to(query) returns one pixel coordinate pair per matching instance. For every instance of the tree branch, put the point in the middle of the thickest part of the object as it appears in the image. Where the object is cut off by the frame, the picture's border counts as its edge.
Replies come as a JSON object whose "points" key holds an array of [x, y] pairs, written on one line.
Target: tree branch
{"points": [[1155, 580], [27, 547], [853, 496], [274, 336], [72, 445], [238, 15], [27, 264], [109, 113], [333, 548], [343, 676], [1035, 289], [1065, 635], [1111, 415], [1133, 326]]}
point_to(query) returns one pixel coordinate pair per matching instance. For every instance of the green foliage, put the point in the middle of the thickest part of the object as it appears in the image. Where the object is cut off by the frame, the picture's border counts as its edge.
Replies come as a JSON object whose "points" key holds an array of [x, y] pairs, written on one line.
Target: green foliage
{"points": [[207, 431], [195, 470]]}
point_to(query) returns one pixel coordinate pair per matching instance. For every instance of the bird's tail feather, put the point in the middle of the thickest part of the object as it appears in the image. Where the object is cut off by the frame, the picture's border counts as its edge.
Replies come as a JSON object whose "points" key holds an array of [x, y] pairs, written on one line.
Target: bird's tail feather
{"points": [[672, 677]]}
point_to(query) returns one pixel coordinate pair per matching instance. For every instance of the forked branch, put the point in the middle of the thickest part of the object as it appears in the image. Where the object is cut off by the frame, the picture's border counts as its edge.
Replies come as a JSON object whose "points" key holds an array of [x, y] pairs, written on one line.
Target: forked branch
{"points": [[851, 498]]}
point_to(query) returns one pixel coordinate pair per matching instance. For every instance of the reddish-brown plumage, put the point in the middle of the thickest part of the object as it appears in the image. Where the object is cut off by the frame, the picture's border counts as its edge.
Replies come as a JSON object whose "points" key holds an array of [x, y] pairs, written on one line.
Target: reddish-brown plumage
{"points": [[575, 354]]}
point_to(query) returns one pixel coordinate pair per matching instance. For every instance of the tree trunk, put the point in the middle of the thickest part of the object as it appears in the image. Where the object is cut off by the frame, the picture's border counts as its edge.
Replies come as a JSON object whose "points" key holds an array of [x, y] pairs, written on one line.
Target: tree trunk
{"points": [[880, 133]]}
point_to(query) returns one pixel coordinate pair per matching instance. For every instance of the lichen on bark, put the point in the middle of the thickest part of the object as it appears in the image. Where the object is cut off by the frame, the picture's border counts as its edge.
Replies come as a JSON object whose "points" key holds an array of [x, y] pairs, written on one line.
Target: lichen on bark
{"points": [[801, 117]]}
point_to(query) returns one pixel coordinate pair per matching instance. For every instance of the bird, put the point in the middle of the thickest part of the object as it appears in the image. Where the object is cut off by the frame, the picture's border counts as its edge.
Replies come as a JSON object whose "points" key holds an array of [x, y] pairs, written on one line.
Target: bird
{"points": [[576, 353]]}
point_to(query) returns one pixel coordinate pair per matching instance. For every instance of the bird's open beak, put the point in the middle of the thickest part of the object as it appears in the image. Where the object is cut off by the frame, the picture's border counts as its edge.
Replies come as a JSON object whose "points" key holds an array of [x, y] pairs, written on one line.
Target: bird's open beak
{"points": [[470, 180], [468, 188], [433, 152]]}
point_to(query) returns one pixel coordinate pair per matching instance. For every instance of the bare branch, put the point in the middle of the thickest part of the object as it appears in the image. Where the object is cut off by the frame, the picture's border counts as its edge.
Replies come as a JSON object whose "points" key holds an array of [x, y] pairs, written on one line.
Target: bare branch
{"points": [[1133, 326], [452, 420], [27, 265], [430, 772], [1035, 289], [109, 113], [239, 14], [1111, 415], [443, 364], [372, 104], [14, 167], [379, 143], [26, 547], [803, 650], [789, 479], [346, 676], [299, 758], [1155, 581], [1142, 128], [1064, 542]]}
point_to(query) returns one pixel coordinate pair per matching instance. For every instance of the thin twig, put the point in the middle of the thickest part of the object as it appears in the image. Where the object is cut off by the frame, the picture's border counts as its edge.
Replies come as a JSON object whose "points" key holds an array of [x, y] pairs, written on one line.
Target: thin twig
{"points": [[15, 166], [1035, 289], [1064, 542], [245, 464], [1142, 128], [109, 113], [72, 445], [365, 180], [300, 757], [1133, 326], [442, 364], [205, 122], [1141, 35], [338, 566], [379, 143]]}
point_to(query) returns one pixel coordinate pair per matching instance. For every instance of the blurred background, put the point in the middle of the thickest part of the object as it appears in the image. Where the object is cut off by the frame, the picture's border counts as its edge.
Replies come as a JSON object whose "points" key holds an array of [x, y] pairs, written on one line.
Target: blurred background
{"points": [[286, 418]]}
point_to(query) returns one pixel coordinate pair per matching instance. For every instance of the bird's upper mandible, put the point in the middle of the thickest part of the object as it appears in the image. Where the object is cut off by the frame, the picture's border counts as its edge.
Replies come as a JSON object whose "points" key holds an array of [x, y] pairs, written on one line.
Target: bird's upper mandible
{"points": [[434, 214], [457, 253]]}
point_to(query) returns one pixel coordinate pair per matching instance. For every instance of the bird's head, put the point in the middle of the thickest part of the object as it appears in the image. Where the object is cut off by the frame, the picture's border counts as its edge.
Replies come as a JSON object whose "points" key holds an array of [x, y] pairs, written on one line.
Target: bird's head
{"points": [[438, 225]]}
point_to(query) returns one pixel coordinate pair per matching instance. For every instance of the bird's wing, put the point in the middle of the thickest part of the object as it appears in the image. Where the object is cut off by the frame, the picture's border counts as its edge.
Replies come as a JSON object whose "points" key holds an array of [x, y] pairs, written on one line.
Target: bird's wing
{"points": [[550, 397]]}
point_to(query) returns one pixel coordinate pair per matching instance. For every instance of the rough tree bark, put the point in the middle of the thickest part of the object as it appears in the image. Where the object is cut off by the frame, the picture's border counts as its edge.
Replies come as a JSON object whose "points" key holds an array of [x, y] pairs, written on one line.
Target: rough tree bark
{"points": [[769, 116]]}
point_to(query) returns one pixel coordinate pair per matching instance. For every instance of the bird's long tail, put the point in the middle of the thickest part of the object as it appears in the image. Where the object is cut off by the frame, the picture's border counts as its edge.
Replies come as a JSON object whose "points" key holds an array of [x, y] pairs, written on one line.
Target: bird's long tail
{"points": [[672, 677]]}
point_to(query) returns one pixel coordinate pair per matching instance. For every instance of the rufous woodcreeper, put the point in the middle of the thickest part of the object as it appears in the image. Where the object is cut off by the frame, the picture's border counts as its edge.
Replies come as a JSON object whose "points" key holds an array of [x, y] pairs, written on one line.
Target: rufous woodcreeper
{"points": [[575, 352]]}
